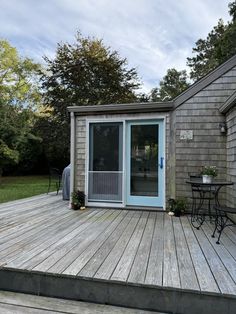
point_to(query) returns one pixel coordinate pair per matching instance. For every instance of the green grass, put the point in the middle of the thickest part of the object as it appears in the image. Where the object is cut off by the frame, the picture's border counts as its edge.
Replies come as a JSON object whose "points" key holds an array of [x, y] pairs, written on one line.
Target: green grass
{"points": [[13, 188]]}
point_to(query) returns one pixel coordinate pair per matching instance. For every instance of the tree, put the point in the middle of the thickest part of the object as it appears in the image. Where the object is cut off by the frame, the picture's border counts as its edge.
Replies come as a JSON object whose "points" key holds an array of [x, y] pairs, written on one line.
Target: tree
{"points": [[19, 78], [219, 46], [232, 10], [19, 94], [142, 97], [87, 73], [84, 73], [172, 84]]}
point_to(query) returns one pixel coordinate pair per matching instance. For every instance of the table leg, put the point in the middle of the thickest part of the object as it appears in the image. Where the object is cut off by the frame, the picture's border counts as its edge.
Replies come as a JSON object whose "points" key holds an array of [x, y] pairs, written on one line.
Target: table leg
{"points": [[197, 218]]}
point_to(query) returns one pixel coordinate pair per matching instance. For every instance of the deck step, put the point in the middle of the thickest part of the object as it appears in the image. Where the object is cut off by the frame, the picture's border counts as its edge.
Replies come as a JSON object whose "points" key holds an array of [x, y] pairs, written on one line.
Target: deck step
{"points": [[114, 293], [20, 303]]}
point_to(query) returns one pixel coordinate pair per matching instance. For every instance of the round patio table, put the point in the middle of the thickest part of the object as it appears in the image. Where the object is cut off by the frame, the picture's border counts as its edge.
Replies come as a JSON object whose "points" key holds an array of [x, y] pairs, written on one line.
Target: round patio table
{"points": [[203, 193]]}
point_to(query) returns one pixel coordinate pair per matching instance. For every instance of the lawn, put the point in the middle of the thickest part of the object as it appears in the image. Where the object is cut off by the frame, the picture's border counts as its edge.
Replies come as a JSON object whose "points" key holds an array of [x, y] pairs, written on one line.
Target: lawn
{"points": [[13, 188]]}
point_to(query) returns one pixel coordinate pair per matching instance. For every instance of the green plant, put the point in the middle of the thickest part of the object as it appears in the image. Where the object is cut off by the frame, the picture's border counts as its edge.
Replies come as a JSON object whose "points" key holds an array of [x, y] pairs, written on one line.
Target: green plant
{"points": [[81, 198], [177, 206], [209, 171], [78, 198], [74, 198]]}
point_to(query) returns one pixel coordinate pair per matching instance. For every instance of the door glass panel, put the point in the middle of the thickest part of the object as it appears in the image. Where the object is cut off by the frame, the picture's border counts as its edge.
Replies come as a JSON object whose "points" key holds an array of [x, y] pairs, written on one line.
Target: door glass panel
{"points": [[105, 162], [144, 160]]}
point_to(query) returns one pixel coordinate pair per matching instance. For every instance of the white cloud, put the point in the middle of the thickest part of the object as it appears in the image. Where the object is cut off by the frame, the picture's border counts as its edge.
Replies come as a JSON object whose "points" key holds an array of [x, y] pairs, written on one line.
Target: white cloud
{"points": [[154, 35]]}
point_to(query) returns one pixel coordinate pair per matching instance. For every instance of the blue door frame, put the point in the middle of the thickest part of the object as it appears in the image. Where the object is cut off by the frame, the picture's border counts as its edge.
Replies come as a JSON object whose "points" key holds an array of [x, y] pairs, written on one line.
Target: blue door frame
{"points": [[140, 200]]}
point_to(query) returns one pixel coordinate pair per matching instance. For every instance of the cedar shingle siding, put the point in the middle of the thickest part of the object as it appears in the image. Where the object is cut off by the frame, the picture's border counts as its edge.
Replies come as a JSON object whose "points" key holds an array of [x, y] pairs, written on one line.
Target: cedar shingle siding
{"points": [[80, 149], [208, 147], [231, 155]]}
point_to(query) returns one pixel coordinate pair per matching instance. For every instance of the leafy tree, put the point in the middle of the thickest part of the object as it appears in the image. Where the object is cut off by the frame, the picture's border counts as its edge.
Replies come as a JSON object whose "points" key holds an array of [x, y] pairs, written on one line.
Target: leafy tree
{"points": [[219, 46], [172, 84], [84, 73], [19, 92], [142, 97], [88, 73], [8, 136], [18, 78], [232, 10]]}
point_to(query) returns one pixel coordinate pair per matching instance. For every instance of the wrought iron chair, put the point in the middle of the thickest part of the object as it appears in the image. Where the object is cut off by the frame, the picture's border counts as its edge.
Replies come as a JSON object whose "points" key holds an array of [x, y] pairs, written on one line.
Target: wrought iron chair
{"points": [[54, 177], [222, 220]]}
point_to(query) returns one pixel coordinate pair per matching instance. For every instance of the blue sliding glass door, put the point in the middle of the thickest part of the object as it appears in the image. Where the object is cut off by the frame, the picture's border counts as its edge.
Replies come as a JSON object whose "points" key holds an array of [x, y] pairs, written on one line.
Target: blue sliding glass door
{"points": [[145, 163]]}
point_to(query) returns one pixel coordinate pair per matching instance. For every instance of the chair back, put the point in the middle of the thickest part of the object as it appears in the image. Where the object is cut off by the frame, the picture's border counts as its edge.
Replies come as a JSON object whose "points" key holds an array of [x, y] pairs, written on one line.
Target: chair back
{"points": [[54, 177], [54, 173]]}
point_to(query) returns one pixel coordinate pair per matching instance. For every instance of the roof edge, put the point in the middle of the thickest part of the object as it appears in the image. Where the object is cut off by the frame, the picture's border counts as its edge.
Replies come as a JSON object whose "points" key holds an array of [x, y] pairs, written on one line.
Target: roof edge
{"points": [[205, 81], [122, 108], [229, 103]]}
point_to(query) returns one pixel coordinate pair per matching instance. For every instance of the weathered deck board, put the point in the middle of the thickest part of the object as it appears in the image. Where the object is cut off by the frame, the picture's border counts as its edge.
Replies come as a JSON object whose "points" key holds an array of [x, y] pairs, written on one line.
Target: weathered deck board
{"points": [[223, 278], [231, 234], [188, 278], [84, 241], [114, 230], [229, 245], [207, 281], [47, 240], [34, 226], [9, 225], [91, 267], [25, 243], [53, 253], [22, 202], [9, 231], [170, 264], [226, 258], [108, 266], [131, 247], [138, 270], [26, 204], [155, 263], [124, 265]]}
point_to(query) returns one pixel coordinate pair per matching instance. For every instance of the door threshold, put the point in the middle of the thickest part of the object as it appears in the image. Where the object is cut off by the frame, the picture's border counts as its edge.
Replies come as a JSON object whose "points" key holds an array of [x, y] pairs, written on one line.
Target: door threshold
{"points": [[143, 208], [128, 207]]}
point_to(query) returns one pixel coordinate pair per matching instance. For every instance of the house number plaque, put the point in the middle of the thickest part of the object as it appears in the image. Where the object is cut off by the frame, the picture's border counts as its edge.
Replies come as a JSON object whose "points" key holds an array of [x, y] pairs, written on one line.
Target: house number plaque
{"points": [[186, 135]]}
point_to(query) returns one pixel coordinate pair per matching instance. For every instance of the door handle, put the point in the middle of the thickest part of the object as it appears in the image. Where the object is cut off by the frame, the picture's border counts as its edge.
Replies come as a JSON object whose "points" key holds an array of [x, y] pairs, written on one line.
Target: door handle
{"points": [[161, 162]]}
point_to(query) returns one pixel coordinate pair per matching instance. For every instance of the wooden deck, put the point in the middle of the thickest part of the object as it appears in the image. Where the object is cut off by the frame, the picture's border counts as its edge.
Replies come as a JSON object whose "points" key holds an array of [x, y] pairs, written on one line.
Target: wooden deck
{"points": [[116, 256]]}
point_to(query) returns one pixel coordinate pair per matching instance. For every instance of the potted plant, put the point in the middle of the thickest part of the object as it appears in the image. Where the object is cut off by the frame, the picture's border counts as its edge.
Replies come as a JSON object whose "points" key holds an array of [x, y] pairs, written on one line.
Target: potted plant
{"points": [[208, 173], [177, 207], [77, 200], [74, 201], [81, 199]]}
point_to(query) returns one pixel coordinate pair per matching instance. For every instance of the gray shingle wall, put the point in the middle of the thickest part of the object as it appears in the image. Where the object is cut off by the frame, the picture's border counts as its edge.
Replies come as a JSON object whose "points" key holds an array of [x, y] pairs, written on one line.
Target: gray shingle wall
{"points": [[81, 145], [231, 156], [80, 149], [208, 146]]}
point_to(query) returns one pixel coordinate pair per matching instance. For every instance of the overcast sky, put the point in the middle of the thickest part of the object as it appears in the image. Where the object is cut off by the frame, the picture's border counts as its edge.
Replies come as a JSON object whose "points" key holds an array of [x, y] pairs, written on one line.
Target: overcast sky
{"points": [[153, 35]]}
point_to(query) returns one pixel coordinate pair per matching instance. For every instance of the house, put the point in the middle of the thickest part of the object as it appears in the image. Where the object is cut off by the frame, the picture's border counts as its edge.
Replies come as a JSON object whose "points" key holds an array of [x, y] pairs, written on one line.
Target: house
{"points": [[139, 155]]}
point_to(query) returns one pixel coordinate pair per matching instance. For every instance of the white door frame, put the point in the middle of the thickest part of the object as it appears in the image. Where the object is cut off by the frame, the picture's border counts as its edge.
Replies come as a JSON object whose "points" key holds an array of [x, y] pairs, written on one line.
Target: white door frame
{"points": [[122, 120]]}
